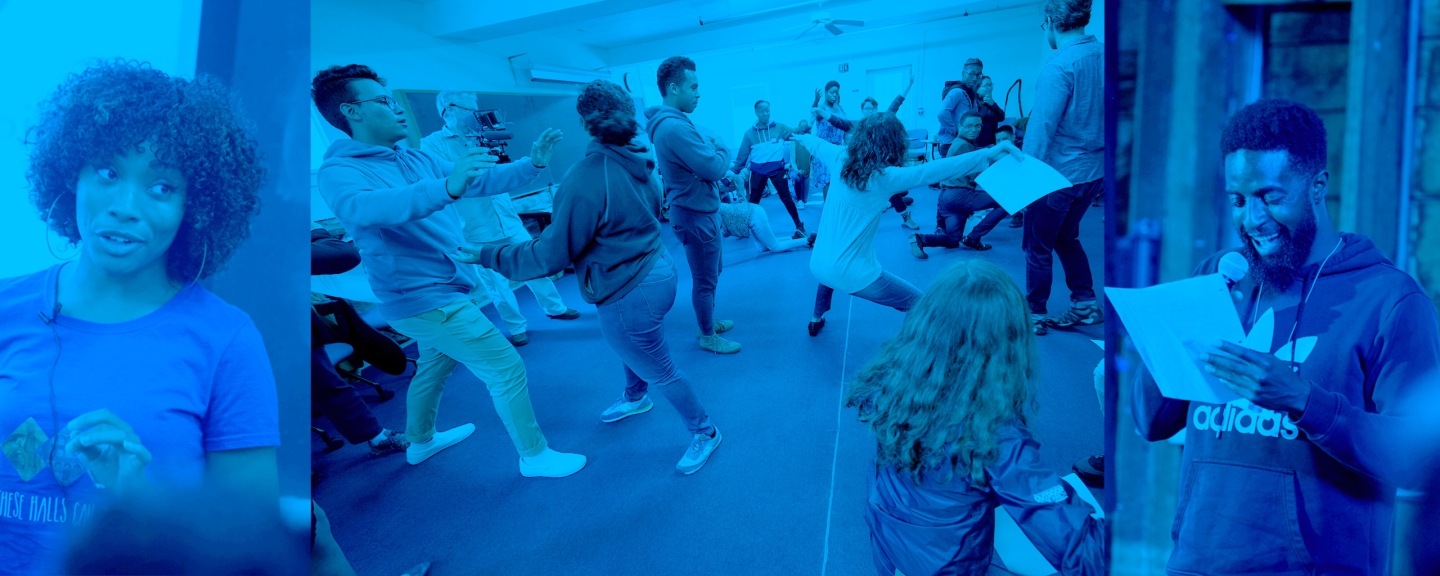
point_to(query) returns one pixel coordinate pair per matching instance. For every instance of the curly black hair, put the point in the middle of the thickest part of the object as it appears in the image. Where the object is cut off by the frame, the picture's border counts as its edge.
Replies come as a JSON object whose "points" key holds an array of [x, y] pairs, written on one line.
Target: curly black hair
{"points": [[607, 112], [195, 126], [672, 71], [331, 88], [879, 142], [1276, 124]]}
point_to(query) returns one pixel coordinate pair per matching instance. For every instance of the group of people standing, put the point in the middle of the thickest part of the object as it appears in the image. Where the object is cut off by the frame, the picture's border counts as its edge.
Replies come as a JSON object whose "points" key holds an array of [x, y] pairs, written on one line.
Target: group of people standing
{"points": [[607, 222]]}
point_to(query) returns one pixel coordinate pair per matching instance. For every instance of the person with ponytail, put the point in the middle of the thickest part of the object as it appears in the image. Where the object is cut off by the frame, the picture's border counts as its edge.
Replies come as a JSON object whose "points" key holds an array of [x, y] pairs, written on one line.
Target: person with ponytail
{"points": [[607, 224], [119, 372], [950, 401], [869, 170]]}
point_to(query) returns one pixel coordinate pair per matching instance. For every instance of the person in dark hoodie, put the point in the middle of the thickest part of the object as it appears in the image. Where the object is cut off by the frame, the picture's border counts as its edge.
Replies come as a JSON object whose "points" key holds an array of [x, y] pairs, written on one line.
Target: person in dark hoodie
{"points": [[691, 164], [950, 400], [765, 150], [396, 202], [1299, 475], [607, 223]]}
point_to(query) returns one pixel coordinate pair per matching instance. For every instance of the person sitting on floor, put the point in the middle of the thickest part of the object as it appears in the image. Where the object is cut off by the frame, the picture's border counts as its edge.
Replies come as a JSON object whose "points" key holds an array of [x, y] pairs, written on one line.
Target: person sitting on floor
{"points": [[746, 220], [950, 400]]}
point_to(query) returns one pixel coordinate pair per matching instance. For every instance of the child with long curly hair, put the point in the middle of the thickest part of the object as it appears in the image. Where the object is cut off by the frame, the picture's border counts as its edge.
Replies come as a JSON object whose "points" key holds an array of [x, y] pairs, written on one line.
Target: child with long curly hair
{"points": [[950, 400], [118, 370]]}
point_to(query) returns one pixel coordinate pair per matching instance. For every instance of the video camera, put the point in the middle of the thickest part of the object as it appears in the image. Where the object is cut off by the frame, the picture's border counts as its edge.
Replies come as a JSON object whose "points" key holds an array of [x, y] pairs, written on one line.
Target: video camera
{"points": [[484, 130]]}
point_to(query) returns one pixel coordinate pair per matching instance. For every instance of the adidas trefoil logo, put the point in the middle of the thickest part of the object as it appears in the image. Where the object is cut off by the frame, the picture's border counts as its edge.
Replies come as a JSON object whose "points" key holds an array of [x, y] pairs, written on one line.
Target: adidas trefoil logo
{"points": [[1242, 416]]}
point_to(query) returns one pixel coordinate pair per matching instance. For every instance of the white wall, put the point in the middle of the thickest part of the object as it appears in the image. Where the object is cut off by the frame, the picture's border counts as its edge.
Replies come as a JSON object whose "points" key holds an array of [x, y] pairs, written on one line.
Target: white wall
{"points": [[43, 41]]}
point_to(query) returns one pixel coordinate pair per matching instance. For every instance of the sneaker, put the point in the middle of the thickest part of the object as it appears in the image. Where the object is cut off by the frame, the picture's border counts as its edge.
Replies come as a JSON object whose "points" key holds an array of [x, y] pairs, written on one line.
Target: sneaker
{"points": [[551, 464], [556, 276], [720, 326], [810, 242], [1017, 221], [908, 222], [799, 233], [916, 249], [418, 453], [815, 326], [569, 314], [623, 409], [1038, 324], [700, 449], [1091, 471], [420, 569], [1087, 314], [393, 442], [520, 339], [718, 345], [799, 204], [975, 245]]}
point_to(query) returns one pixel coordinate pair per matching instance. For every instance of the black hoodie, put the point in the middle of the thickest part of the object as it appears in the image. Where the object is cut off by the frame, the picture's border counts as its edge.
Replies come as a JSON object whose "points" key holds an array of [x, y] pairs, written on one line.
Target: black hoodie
{"points": [[1262, 493], [606, 221]]}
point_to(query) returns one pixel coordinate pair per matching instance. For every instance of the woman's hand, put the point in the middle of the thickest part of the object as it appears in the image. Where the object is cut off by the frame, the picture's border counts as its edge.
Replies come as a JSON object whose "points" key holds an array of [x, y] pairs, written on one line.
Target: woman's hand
{"points": [[542, 148], [1004, 147], [112, 452]]}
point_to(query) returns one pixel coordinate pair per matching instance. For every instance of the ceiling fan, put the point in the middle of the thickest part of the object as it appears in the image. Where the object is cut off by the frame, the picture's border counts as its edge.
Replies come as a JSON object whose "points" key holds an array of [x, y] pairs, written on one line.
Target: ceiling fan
{"points": [[823, 19]]}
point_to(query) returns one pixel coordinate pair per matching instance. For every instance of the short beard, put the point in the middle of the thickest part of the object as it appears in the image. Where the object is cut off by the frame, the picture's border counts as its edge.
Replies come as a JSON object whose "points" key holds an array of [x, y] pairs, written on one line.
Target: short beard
{"points": [[1279, 271]]}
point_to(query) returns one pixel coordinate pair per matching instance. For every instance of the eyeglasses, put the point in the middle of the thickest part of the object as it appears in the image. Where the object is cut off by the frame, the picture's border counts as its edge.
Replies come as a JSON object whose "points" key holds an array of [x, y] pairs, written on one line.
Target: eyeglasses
{"points": [[1044, 24], [386, 100]]}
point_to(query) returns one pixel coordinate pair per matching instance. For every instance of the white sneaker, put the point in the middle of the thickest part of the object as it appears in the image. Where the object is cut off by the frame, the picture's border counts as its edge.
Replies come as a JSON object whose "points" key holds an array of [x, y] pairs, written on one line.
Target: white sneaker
{"points": [[551, 464], [799, 204], [418, 453]]}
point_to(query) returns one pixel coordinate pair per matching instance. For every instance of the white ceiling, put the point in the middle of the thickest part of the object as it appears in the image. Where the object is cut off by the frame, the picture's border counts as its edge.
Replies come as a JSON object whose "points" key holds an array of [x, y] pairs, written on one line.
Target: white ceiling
{"points": [[617, 24]]}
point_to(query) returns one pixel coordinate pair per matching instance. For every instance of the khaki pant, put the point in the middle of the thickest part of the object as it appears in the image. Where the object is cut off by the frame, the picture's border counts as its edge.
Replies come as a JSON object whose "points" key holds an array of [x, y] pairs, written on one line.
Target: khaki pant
{"points": [[459, 333]]}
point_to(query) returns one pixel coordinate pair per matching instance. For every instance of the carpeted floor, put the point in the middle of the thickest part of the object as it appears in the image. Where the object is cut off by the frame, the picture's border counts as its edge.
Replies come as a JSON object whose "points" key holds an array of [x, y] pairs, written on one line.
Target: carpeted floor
{"points": [[783, 494]]}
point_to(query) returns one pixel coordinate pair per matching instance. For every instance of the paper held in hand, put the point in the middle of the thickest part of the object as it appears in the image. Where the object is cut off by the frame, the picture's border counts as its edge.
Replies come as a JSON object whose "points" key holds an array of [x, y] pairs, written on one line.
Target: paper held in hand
{"points": [[1172, 325], [1014, 185]]}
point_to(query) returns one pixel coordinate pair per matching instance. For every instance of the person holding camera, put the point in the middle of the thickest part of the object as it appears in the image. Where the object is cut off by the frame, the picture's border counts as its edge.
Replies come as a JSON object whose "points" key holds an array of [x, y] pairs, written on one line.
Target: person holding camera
{"points": [[393, 201], [491, 220]]}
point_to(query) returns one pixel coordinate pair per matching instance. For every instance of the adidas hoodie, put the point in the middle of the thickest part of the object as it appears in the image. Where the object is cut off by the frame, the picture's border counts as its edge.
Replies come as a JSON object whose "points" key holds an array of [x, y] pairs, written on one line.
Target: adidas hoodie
{"points": [[1262, 493], [764, 149], [394, 203]]}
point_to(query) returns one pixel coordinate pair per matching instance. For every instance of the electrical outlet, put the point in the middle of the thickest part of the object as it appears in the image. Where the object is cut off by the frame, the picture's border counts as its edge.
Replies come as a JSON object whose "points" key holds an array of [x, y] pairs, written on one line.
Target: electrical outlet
{"points": [[844, 68]]}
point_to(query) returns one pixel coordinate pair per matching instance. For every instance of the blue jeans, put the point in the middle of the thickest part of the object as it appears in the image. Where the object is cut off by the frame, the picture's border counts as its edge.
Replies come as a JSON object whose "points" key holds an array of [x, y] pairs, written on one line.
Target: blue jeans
{"points": [[888, 290], [956, 205], [1052, 224], [700, 233], [634, 326]]}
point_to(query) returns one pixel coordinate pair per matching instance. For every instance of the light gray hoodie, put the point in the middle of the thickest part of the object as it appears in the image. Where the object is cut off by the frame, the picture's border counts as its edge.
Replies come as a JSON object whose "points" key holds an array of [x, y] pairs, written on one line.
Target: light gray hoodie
{"points": [[393, 202]]}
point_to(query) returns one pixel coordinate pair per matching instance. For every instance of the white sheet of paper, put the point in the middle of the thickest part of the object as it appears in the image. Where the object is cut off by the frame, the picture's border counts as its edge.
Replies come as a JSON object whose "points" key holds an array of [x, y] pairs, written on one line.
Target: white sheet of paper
{"points": [[1016, 184], [1172, 324], [1017, 551], [1100, 343]]}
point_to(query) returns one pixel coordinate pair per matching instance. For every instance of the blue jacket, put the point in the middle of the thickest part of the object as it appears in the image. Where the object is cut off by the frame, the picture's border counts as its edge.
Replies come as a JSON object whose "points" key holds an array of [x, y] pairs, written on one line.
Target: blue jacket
{"points": [[1263, 493], [393, 202], [948, 529]]}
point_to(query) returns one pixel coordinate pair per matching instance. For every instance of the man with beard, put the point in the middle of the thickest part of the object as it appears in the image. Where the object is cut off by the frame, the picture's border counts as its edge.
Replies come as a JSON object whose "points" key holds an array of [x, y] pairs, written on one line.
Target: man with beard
{"points": [[1299, 475]]}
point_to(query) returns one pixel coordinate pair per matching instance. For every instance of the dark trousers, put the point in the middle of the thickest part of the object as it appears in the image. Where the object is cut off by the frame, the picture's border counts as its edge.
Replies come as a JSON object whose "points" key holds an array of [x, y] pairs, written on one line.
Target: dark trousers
{"points": [[802, 187], [782, 187], [700, 233], [1052, 224], [956, 205], [338, 401], [900, 202]]}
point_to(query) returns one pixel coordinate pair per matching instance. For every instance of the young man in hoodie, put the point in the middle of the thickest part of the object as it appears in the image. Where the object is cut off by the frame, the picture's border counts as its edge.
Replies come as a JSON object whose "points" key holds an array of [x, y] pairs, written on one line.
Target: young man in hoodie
{"points": [[491, 220], [765, 149], [1299, 475], [394, 202], [956, 100], [690, 165]]}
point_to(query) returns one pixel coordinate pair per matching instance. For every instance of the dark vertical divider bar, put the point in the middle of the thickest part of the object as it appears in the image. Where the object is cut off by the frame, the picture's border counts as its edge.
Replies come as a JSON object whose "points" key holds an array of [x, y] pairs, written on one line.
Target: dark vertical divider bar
{"points": [[260, 48], [1112, 101]]}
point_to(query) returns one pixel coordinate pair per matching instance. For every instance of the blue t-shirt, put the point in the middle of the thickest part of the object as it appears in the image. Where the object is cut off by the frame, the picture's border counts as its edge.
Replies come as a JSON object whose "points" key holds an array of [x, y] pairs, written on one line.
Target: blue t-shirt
{"points": [[191, 377]]}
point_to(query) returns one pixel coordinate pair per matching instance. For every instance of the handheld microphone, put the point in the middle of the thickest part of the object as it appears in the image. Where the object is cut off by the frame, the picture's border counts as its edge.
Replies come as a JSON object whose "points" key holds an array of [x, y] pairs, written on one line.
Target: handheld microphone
{"points": [[1233, 267]]}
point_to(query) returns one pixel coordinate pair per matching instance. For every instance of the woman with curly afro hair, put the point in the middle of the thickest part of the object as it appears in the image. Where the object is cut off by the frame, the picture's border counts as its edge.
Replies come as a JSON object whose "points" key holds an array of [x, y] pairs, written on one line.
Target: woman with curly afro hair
{"points": [[865, 173], [607, 224], [118, 370]]}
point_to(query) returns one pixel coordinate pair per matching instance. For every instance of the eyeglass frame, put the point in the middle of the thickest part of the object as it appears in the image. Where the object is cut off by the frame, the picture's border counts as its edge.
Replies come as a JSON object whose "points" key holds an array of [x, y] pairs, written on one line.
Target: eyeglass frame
{"points": [[394, 106]]}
